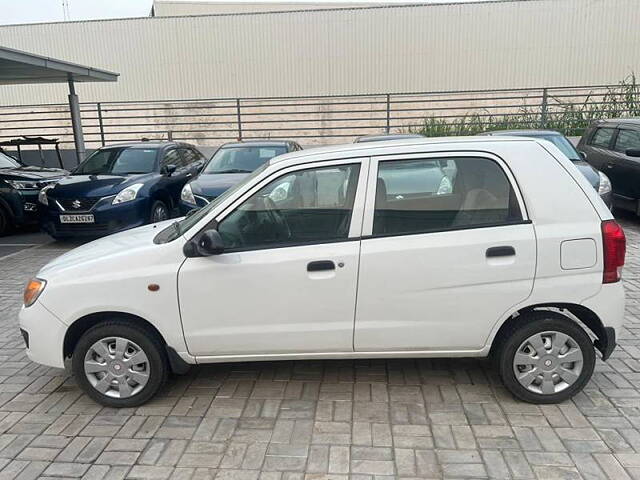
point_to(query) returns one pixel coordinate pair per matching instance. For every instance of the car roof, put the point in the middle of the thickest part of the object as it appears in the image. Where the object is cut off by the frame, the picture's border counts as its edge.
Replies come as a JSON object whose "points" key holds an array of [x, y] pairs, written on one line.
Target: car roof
{"points": [[523, 132], [258, 143], [379, 137], [378, 148], [618, 121], [147, 144]]}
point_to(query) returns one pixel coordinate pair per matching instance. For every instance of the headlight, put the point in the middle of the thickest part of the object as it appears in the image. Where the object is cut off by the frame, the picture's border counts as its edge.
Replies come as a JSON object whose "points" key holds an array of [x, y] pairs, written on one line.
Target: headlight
{"points": [[128, 194], [42, 195], [187, 195], [33, 290], [23, 184], [605, 184]]}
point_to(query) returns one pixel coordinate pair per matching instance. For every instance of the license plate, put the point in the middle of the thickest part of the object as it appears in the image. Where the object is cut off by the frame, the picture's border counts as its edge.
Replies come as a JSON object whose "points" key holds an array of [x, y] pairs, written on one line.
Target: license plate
{"points": [[76, 219]]}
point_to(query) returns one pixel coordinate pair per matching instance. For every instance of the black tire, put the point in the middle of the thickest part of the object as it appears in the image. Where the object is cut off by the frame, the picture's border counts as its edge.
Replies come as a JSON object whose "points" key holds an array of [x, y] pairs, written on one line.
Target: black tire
{"points": [[156, 207], [149, 343], [528, 325], [5, 223]]}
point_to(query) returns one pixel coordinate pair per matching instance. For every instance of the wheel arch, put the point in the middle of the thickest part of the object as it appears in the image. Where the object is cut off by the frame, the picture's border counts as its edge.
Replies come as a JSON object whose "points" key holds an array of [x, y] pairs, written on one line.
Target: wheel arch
{"points": [[585, 315]]}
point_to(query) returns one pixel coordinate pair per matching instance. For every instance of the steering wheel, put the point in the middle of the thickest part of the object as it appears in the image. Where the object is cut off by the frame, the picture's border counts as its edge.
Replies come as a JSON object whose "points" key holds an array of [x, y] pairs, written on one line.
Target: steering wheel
{"points": [[278, 219]]}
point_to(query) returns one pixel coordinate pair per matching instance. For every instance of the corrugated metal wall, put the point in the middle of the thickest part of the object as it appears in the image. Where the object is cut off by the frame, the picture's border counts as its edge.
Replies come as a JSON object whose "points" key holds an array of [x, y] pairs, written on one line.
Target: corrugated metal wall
{"points": [[372, 50], [162, 8]]}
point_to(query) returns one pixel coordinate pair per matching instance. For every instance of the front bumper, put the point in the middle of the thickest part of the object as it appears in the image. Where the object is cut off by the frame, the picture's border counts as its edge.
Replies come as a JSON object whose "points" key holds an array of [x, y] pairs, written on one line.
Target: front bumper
{"points": [[45, 333], [108, 219]]}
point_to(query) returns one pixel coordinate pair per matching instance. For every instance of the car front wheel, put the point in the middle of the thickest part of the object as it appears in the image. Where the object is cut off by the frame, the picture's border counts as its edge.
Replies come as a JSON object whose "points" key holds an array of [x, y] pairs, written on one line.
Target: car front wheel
{"points": [[159, 212], [119, 364], [546, 358]]}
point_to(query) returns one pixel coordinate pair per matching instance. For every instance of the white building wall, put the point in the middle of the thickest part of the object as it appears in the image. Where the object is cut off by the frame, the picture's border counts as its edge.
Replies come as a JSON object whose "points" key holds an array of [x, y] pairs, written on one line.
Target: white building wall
{"points": [[367, 50]]}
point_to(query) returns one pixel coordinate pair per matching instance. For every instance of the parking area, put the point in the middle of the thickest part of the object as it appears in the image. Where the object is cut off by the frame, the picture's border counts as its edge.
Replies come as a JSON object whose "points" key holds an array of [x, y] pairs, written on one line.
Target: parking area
{"points": [[315, 419]]}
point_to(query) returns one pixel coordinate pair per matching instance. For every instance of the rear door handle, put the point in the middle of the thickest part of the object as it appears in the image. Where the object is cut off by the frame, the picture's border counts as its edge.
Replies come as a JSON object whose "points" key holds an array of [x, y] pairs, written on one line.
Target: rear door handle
{"points": [[610, 165], [505, 251], [321, 265]]}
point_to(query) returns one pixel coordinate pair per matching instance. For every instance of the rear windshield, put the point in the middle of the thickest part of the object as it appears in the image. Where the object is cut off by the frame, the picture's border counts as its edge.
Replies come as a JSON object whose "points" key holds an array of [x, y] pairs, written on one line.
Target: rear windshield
{"points": [[242, 159], [119, 161]]}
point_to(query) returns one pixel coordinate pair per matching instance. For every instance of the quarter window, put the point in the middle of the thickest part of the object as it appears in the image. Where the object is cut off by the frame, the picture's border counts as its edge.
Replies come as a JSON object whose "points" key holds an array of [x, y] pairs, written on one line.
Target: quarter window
{"points": [[627, 139], [303, 207], [602, 137], [418, 196]]}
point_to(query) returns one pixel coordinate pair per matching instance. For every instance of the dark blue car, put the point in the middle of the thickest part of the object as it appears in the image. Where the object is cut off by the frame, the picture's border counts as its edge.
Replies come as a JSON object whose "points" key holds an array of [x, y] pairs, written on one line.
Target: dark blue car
{"points": [[119, 187], [228, 166]]}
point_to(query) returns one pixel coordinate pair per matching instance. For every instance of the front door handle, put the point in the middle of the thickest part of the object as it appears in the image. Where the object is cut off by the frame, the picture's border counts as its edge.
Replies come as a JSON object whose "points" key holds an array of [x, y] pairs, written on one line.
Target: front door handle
{"points": [[320, 265], [505, 251]]}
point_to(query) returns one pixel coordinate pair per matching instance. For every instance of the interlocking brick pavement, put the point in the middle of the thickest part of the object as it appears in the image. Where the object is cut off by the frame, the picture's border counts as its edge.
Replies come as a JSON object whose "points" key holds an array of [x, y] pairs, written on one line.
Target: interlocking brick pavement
{"points": [[315, 420]]}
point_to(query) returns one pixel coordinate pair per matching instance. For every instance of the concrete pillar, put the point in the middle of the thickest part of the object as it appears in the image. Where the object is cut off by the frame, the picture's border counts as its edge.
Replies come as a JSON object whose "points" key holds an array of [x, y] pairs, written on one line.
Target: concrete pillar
{"points": [[76, 122]]}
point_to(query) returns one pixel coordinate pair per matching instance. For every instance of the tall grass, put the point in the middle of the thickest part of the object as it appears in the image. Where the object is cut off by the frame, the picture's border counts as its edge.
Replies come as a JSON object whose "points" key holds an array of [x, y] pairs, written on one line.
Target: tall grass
{"points": [[568, 116]]}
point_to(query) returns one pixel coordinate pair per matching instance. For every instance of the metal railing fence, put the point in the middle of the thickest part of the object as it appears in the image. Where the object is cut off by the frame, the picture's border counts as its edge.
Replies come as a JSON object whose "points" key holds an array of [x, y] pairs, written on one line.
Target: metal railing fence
{"points": [[326, 119]]}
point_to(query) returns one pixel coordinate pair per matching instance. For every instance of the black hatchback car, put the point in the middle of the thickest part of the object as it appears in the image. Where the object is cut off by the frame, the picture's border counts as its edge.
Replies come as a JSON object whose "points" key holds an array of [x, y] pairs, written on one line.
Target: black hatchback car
{"points": [[597, 179], [613, 146], [231, 163], [19, 187], [119, 187]]}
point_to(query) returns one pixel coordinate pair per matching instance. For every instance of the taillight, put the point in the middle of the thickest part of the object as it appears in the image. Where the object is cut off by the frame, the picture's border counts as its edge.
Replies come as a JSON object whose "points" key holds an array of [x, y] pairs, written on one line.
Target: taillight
{"points": [[614, 243]]}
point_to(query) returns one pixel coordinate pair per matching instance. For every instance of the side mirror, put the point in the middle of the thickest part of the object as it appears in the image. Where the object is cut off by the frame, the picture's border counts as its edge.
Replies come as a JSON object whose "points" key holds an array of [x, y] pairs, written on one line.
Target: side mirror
{"points": [[169, 170], [206, 244], [583, 155], [633, 152]]}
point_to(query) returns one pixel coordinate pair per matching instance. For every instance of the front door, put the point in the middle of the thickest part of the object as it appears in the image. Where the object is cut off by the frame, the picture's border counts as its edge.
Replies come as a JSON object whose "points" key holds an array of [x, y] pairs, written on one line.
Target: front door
{"points": [[286, 282], [449, 253]]}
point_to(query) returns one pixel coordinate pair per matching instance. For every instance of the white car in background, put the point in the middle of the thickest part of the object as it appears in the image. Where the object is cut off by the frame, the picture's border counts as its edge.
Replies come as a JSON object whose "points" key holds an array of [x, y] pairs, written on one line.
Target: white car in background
{"points": [[340, 264]]}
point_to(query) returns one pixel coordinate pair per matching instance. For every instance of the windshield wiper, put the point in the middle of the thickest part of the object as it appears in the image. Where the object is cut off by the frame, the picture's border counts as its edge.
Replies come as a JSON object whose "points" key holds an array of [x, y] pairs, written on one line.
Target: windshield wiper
{"points": [[232, 170]]}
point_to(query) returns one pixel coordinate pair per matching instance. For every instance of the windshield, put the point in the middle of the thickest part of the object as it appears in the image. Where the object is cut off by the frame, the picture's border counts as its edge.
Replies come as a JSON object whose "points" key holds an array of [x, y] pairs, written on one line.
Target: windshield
{"points": [[119, 161], [564, 145], [8, 162], [181, 226], [241, 159]]}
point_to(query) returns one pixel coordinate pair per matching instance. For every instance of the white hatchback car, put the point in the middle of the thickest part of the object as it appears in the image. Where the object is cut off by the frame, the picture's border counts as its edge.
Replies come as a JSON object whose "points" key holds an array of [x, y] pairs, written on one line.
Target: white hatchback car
{"points": [[351, 251]]}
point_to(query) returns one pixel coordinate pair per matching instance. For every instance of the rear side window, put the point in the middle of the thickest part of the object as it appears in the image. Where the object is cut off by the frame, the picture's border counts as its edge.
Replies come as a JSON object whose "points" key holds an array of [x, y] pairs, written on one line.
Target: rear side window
{"points": [[602, 137], [627, 139], [419, 196]]}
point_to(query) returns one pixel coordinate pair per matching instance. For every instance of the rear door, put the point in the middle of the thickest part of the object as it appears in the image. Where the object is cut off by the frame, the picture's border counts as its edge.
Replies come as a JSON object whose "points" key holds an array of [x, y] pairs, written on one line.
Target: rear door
{"points": [[447, 250]]}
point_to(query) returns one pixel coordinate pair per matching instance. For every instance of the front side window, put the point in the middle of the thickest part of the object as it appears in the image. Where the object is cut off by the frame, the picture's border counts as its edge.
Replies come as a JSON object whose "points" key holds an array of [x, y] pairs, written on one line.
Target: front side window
{"points": [[627, 139], [119, 161], [602, 137], [172, 157], [303, 207], [242, 159], [427, 195]]}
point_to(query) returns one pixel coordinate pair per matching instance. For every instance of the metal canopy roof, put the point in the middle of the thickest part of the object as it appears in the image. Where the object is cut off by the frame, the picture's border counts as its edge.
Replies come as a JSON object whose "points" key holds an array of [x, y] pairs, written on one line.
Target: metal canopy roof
{"points": [[17, 67]]}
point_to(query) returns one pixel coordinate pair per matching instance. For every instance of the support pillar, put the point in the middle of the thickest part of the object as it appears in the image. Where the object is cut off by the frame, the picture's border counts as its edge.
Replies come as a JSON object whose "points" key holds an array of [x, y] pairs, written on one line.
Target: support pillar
{"points": [[76, 122]]}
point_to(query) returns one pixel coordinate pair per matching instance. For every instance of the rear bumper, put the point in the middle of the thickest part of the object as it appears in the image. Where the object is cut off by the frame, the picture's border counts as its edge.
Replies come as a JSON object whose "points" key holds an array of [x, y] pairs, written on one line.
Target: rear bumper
{"points": [[608, 305], [108, 219]]}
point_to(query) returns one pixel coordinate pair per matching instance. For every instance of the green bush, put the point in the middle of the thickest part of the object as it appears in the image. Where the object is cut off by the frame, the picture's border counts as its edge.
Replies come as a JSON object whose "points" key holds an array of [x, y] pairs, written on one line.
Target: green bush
{"points": [[565, 116]]}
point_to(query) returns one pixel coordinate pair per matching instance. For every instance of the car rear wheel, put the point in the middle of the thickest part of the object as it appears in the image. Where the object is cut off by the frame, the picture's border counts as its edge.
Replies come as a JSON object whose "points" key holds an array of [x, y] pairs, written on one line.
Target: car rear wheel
{"points": [[119, 364], [159, 212], [546, 358]]}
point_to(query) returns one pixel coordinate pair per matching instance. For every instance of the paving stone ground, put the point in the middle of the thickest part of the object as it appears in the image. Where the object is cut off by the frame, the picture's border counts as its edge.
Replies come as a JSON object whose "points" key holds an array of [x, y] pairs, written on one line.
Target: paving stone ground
{"points": [[312, 420]]}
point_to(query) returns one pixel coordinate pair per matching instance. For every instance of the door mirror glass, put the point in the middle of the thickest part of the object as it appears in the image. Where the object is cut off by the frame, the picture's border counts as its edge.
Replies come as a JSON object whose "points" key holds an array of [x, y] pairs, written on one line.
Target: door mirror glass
{"points": [[633, 152], [169, 169], [209, 243]]}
